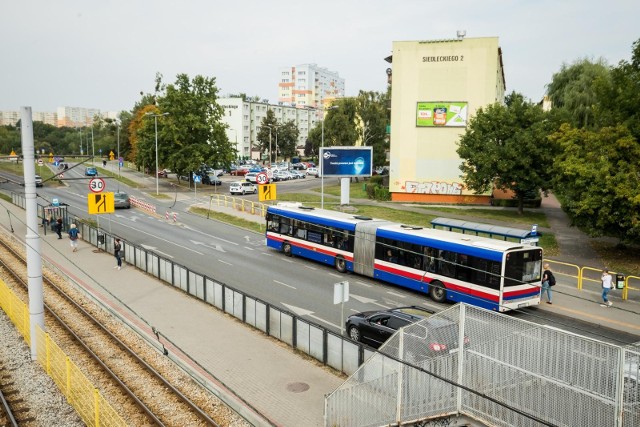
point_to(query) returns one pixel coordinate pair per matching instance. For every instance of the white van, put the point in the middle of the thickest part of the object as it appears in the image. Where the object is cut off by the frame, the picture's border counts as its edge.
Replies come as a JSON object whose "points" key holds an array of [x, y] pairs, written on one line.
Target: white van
{"points": [[243, 187]]}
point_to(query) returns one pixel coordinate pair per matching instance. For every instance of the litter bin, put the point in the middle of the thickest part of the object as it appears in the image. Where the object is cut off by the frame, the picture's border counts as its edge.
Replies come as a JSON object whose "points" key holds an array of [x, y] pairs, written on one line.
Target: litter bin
{"points": [[101, 239], [619, 281]]}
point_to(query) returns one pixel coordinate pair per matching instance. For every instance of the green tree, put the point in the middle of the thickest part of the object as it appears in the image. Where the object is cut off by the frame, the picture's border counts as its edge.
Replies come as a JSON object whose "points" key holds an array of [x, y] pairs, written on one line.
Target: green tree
{"points": [[596, 178], [191, 133], [574, 90], [506, 147], [619, 96], [288, 134], [374, 117], [267, 136]]}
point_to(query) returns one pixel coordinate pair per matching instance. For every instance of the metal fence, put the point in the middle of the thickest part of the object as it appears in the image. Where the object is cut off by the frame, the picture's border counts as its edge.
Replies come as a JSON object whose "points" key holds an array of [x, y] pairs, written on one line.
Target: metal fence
{"points": [[496, 369]]}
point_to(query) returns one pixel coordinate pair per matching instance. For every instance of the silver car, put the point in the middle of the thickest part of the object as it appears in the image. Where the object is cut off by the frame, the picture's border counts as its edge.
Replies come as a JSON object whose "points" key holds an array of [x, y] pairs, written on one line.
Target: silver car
{"points": [[121, 200]]}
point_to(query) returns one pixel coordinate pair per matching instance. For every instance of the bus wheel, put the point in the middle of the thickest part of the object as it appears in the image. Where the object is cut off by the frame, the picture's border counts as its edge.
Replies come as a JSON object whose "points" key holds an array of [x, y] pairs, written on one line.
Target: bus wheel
{"points": [[437, 291], [286, 248], [341, 264]]}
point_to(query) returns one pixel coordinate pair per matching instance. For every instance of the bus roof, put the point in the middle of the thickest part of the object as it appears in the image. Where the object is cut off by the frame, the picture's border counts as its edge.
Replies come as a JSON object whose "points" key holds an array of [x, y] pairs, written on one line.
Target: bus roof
{"points": [[323, 217]]}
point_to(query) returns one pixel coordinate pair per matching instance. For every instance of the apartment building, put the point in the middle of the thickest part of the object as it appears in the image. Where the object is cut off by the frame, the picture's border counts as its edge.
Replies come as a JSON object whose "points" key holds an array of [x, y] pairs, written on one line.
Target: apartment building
{"points": [[438, 85], [64, 116], [244, 118], [308, 85]]}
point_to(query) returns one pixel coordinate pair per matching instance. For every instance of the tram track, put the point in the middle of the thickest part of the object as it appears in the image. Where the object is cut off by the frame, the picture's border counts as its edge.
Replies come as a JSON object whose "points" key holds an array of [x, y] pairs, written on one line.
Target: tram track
{"points": [[142, 385]]}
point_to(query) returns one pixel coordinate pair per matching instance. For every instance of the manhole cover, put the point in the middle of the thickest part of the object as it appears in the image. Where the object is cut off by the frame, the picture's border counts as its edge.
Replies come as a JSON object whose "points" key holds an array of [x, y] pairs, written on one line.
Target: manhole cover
{"points": [[297, 387]]}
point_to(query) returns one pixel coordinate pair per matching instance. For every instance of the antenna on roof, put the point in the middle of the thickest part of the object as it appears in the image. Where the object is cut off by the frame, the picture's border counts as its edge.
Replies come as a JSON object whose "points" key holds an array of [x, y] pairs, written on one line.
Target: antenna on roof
{"points": [[461, 33]]}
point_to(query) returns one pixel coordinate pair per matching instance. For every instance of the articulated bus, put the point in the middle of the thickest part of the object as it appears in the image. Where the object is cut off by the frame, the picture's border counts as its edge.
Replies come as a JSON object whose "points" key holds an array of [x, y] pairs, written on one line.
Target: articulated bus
{"points": [[484, 272]]}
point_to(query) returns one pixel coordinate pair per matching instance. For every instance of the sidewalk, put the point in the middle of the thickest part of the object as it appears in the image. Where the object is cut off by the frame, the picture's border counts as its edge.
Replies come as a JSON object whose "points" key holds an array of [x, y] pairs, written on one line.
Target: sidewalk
{"points": [[284, 388]]}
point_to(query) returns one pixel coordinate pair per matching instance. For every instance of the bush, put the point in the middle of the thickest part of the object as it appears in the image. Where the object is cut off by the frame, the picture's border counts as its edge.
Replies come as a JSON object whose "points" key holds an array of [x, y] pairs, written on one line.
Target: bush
{"points": [[377, 190]]}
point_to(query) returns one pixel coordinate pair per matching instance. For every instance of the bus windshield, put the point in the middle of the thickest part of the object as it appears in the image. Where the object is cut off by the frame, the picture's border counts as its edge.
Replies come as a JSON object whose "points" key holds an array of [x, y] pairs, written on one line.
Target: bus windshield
{"points": [[523, 267]]}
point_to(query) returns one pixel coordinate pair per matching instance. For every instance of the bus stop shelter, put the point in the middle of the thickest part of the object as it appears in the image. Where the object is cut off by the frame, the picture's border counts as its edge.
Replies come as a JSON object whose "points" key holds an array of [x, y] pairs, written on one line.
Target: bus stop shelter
{"points": [[530, 237]]}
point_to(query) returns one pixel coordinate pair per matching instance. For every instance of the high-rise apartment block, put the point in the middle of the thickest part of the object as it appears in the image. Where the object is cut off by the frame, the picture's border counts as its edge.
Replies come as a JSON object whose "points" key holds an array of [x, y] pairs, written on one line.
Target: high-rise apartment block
{"points": [[64, 116], [244, 118], [308, 85]]}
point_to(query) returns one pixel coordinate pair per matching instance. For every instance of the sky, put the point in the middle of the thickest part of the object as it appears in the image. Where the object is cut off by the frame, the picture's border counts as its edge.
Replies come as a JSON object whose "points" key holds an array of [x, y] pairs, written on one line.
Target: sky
{"points": [[103, 54]]}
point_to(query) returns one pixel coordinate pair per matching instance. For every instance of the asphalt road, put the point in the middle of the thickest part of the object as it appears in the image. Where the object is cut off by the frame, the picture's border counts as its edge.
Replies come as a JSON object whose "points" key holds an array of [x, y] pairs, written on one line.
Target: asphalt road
{"points": [[240, 259]]}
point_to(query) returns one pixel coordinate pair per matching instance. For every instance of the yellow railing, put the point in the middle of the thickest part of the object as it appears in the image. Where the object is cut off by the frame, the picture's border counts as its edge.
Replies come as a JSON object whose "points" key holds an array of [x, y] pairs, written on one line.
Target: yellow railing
{"points": [[79, 391], [240, 204], [582, 276]]}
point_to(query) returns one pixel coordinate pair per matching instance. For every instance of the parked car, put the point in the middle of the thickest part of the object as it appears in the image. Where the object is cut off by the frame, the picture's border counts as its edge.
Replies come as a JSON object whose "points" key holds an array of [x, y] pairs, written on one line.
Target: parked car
{"points": [[243, 187], [280, 175], [375, 327], [312, 171], [38, 181], [211, 179], [239, 171], [90, 171], [298, 174], [251, 177], [163, 173], [121, 200]]}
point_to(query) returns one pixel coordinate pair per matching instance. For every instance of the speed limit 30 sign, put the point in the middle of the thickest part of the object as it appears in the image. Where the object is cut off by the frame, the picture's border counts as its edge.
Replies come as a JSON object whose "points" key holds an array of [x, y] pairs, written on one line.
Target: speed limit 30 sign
{"points": [[97, 185], [262, 178]]}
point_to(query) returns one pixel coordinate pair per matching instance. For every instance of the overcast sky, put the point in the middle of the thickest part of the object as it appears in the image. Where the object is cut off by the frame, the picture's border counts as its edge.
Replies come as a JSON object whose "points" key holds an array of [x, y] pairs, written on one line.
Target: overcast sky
{"points": [[102, 54]]}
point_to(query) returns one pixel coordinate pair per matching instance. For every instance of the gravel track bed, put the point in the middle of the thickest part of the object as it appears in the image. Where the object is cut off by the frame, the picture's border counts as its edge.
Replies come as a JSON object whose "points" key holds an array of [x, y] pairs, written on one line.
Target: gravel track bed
{"points": [[156, 396]]}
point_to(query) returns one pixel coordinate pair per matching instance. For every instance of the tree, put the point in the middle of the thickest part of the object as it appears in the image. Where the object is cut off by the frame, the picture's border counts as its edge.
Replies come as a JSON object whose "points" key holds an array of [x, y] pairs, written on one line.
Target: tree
{"points": [[506, 147], [374, 117], [597, 180], [190, 134], [574, 90], [267, 135], [619, 96]]}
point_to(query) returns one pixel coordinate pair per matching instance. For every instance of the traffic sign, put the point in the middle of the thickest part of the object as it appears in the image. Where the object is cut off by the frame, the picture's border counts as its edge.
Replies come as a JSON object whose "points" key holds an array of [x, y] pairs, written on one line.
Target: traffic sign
{"points": [[101, 203], [262, 178], [97, 185], [267, 192]]}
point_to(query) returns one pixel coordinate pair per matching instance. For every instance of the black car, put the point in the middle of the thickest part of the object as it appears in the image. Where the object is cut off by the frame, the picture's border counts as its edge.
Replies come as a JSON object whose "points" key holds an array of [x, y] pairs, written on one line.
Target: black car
{"points": [[375, 327], [211, 179]]}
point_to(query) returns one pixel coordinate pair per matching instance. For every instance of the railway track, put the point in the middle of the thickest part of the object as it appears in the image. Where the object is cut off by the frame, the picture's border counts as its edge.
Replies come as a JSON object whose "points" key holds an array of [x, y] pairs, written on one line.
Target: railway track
{"points": [[13, 411], [143, 386]]}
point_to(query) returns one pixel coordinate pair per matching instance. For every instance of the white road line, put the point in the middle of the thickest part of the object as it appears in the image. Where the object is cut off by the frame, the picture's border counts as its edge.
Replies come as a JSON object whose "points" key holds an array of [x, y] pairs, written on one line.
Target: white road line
{"points": [[288, 260], [284, 284], [310, 267], [248, 248], [224, 262], [336, 275], [397, 295], [364, 284]]}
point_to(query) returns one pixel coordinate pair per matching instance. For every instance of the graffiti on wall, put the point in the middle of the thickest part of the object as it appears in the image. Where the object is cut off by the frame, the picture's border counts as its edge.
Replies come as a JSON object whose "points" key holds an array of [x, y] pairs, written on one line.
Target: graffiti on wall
{"points": [[434, 187]]}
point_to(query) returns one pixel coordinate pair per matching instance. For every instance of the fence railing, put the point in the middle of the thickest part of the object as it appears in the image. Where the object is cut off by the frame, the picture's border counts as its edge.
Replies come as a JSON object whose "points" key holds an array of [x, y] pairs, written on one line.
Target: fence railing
{"points": [[81, 394]]}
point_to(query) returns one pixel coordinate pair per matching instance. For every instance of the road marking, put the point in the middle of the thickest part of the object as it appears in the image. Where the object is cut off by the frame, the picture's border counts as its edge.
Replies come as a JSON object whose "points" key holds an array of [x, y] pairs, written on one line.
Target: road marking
{"points": [[335, 275], [397, 295], [364, 284], [224, 262], [284, 284], [248, 248], [310, 267]]}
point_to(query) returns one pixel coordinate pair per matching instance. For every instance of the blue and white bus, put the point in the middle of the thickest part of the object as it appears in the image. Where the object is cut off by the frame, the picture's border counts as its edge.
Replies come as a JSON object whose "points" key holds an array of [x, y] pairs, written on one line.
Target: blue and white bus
{"points": [[484, 272]]}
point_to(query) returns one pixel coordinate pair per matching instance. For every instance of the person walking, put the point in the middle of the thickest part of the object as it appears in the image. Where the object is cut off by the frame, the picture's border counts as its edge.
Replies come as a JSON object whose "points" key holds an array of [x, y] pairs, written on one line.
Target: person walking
{"points": [[73, 237], [548, 280], [117, 247], [59, 228], [606, 287]]}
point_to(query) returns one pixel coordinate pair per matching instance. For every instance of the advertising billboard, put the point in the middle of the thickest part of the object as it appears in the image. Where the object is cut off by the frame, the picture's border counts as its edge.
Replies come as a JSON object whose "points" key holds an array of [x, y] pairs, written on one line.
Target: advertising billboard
{"points": [[437, 114], [346, 161]]}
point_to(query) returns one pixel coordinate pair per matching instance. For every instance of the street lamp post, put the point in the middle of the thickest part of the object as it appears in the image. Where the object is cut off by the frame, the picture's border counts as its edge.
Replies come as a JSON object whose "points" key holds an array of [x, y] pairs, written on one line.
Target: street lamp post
{"points": [[320, 160], [155, 120], [118, 150]]}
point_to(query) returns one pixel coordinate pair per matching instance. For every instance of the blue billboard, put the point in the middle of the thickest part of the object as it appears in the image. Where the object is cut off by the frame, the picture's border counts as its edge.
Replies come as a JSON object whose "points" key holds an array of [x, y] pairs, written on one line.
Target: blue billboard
{"points": [[346, 161]]}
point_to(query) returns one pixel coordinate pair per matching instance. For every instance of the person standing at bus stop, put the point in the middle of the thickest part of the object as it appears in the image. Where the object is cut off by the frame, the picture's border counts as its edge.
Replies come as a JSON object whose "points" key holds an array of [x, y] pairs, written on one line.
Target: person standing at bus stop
{"points": [[117, 247], [548, 280], [606, 287]]}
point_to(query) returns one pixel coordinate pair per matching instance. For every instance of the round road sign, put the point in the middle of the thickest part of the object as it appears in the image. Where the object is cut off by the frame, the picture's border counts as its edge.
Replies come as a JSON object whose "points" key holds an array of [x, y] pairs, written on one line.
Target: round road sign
{"points": [[262, 178], [97, 185]]}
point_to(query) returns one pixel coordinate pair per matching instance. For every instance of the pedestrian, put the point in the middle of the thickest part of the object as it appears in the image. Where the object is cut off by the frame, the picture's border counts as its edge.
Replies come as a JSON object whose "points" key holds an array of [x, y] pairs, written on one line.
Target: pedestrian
{"points": [[73, 237], [606, 287], [59, 228], [548, 280], [117, 247]]}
